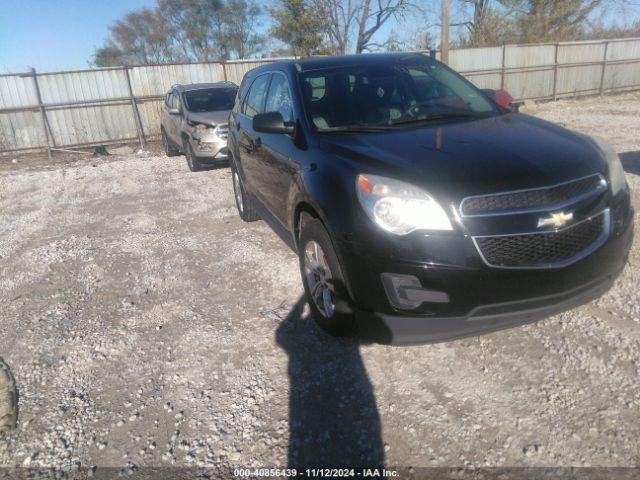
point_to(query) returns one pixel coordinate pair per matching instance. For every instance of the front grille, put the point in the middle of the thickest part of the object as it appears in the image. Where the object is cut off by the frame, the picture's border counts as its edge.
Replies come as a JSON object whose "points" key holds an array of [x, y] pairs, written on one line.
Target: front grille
{"points": [[544, 249], [539, 198], [222, 131]]}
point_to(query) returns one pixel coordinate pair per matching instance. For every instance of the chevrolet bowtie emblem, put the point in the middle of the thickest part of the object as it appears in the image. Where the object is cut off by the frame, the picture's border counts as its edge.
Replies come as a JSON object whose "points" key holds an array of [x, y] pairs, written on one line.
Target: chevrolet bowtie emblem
{"points": [[556, 220]]}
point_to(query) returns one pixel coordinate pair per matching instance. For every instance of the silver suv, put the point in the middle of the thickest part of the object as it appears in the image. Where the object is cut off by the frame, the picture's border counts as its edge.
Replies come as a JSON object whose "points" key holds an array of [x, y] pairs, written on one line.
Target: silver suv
{"points": [[194, 122]]}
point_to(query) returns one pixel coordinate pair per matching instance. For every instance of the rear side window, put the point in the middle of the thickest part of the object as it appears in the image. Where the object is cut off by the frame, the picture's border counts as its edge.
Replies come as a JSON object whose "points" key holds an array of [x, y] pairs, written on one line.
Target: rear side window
{"points": [[316, 87], [255, 99], [279, 99], [241, 93], [173, 100]]}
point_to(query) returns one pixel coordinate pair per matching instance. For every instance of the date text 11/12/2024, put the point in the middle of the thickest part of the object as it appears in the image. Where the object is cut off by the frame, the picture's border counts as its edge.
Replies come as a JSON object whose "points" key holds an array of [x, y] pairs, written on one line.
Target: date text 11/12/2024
{"points": [[316, 472]]}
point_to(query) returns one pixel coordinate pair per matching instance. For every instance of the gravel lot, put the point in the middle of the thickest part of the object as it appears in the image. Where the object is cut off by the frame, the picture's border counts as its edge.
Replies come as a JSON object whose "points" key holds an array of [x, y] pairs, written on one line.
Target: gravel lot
{"points": [[146, 325]]}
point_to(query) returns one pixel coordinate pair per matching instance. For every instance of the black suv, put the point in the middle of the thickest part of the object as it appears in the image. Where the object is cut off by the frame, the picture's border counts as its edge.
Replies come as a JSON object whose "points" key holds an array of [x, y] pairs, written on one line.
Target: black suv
{"points": [[420, 208]]}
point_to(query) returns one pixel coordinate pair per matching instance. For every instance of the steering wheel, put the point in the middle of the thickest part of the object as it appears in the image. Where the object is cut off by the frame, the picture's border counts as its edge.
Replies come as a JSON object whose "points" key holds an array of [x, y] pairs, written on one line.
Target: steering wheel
{"points": [[419, 109]]}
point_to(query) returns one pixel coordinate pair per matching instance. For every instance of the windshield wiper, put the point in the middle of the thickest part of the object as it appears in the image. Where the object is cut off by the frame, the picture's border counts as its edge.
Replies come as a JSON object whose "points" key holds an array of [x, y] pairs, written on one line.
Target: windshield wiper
{"points": [[355, 129], [440, 116], [360, 128]]}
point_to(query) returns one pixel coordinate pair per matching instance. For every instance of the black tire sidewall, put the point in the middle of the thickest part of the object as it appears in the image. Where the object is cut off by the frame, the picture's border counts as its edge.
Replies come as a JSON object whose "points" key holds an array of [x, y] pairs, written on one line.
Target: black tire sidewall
{"points": [[248, 213], [165, 143], [234, 172], [169, 150], [192, 162], [341, 323]]}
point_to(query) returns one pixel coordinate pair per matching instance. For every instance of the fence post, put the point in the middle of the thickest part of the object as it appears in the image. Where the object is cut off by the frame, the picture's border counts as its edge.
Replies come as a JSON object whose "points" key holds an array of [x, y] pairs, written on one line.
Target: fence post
{"points": [[43, 113], [555, 75], [224, 69], [502, 68], [604, 68], [502, 73], [136, 113]]}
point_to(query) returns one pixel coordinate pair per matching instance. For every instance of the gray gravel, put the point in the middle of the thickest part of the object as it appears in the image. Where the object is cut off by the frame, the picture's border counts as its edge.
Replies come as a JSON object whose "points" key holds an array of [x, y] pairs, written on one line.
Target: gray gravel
{"points": [[146, 325]]}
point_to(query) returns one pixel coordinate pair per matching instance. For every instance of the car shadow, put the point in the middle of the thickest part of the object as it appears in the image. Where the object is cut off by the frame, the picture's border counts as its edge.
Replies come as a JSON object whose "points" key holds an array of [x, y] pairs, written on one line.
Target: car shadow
{"points": [[631, 162], [204, 167], [333, 418]]}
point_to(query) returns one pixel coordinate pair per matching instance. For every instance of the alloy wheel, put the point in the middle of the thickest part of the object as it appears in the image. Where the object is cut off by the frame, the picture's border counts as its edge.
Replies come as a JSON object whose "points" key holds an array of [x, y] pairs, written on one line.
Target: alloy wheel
{"points": [[318, 277]]}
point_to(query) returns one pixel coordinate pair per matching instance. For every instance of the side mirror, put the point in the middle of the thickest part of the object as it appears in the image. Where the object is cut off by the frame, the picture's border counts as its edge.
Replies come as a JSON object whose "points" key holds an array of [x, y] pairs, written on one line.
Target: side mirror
{"points": [[501, 97], [174, 111], [271, 122]]}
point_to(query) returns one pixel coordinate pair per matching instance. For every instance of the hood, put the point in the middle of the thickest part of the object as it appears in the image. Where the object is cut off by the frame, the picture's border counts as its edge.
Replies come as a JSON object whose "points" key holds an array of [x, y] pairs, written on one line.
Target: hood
{"points": [[210, 118], [471, 157]]}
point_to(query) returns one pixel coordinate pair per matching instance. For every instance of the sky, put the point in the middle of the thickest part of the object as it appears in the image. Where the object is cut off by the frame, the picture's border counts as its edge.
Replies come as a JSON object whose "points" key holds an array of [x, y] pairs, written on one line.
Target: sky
{"points": [[63, 34], [56, 34]]}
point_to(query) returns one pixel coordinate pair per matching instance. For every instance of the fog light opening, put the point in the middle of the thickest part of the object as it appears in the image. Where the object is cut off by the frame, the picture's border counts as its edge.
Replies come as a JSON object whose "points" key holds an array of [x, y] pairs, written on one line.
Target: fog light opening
{"points": [[224, 153], [405, 292]]}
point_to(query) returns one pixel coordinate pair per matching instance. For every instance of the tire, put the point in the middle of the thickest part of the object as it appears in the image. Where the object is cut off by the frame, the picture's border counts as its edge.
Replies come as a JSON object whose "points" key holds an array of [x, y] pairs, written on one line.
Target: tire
{"points": [[244, 203], [169, 149], [192, 161], [8, 399], [328, 298]]}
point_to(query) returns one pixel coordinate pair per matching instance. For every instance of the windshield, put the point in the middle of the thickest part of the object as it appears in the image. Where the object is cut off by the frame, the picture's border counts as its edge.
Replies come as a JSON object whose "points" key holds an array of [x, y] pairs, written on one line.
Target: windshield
{"points": [[379, 96], [209, 99]]}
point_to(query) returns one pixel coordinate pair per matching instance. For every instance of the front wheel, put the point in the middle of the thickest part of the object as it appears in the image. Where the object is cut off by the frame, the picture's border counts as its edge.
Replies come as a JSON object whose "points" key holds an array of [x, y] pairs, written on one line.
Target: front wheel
{"points": [[169, 149], [192, 161], [323, 279]]}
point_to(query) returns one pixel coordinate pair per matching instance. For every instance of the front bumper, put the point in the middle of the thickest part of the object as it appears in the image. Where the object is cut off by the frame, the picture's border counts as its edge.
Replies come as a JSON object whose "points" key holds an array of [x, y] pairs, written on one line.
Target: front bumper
{"points": [[407, 330], [210, 149], [480, 298]]}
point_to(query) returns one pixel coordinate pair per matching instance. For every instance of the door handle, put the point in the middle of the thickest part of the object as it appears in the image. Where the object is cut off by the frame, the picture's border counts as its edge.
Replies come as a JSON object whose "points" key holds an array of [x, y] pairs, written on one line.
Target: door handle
{"points": [[313, 167]]}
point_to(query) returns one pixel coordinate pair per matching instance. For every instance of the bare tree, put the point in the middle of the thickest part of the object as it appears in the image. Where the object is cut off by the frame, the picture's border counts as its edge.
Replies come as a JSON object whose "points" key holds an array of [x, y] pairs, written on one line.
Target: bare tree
{"points": [[552, 20], [413, 40], [372, 18], [141, 36], [108, 55], [190, 25], [597, 30], [242, 19], [491, 23], [353, 23], [184, 30], [300, 25], [340, 18]]}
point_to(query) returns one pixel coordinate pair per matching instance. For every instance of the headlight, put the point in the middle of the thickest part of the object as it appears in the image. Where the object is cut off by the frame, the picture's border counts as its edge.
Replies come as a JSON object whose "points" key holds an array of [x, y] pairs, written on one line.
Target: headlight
{"points": [[616, 172], [399, 207], [201, 128]]}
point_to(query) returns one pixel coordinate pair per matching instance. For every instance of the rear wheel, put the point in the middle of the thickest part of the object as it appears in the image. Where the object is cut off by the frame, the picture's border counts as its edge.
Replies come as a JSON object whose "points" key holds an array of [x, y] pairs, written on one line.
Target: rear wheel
{"points": [[169, 149], [192, 161], [323, 279], [244, 203]]}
